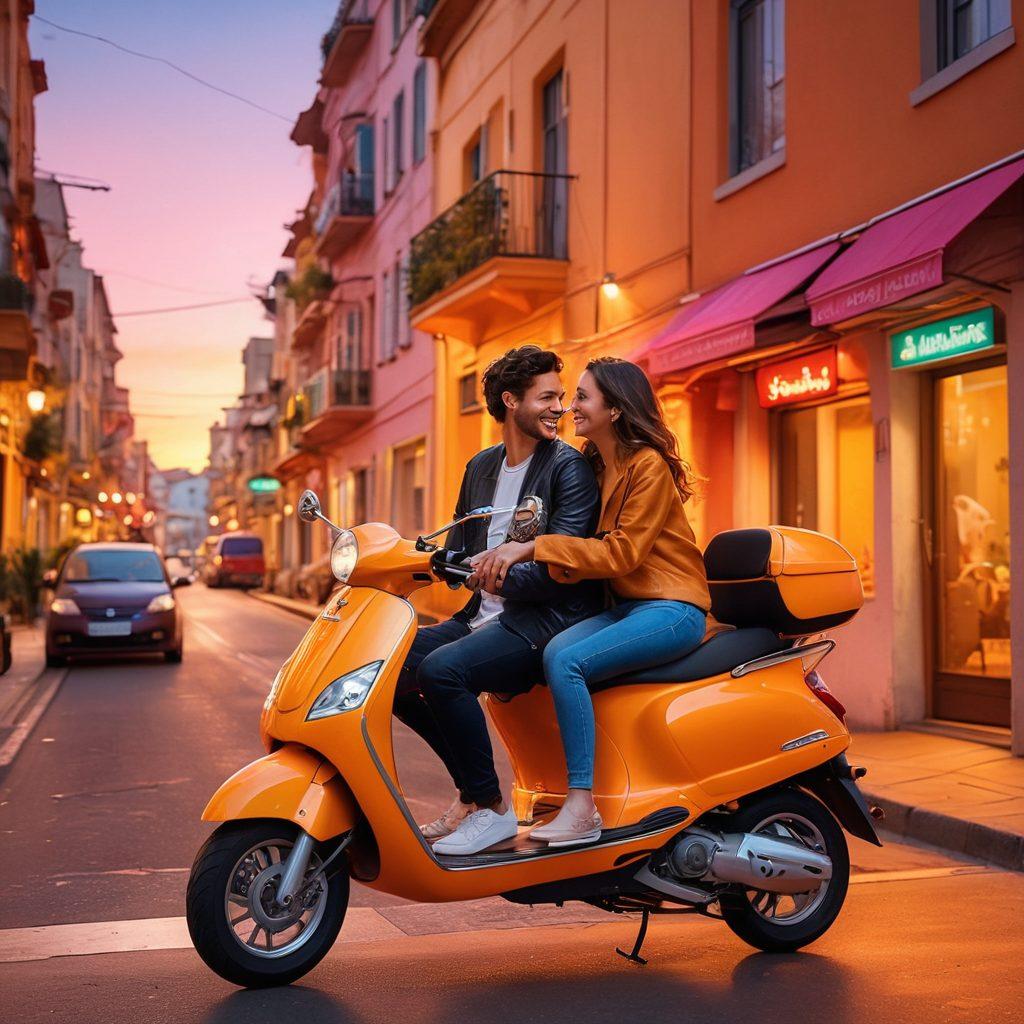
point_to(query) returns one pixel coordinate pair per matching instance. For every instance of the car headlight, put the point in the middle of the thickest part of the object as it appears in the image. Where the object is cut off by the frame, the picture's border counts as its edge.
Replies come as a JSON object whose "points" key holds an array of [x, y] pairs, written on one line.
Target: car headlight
{"points": [[344, 555], [64, 606], [161, 603], [345, 693]]}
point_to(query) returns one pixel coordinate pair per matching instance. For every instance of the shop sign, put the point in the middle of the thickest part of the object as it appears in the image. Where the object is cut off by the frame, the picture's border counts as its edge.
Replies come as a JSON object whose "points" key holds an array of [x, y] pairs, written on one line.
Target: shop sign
{"points": [[804, 377], [264, 485], [943, 339]]}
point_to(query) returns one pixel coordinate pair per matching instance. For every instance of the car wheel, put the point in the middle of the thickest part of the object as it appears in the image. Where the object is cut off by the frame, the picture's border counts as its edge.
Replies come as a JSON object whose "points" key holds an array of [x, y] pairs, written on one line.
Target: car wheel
{"points": [[174, 657], [55, 661]]}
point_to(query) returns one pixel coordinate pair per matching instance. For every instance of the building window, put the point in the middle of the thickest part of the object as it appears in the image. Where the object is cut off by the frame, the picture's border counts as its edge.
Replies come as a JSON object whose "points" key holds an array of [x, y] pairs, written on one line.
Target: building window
{"points": [[397, 22], [825, 476], [409, 489], [387, 338], [474, 160], [419, 113], [402, 303], [758, 81], [469, 392], [398, 121], [396, 307], [386, 163], [964, 24]]}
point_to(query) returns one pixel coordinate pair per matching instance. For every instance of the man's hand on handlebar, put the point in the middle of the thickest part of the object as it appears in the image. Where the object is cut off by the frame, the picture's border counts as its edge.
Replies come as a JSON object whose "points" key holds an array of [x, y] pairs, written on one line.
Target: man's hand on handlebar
{"points": [[492, 566]]}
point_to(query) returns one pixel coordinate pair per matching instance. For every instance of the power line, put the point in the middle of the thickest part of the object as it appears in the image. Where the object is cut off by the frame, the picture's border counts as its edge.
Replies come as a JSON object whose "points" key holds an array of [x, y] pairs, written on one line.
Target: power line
{"points": [[157, 284], [180, 309], [170, 64]]}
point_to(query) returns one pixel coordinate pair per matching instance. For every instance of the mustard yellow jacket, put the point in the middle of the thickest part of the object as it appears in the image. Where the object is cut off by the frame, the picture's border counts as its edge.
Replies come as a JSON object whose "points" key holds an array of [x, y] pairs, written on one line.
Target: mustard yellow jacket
{"points": [[645, 547]]}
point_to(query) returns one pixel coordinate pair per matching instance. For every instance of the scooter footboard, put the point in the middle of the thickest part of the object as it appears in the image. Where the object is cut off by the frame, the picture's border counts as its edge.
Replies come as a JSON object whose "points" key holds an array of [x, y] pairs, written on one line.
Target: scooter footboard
{"points": [[294, 784]]}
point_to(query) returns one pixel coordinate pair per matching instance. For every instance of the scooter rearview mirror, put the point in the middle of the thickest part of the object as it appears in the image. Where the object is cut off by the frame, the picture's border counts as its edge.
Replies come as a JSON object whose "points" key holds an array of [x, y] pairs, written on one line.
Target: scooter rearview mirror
{"points": [[526, 520], [309, 507]]}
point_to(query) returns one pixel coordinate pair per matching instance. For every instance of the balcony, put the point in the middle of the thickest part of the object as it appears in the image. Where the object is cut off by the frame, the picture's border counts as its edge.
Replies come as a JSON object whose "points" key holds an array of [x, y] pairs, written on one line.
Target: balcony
{"points": [[347, 210], [311, 324], [441, 20], [345, 41], [17, 340], [334, 400], [496, 256]]}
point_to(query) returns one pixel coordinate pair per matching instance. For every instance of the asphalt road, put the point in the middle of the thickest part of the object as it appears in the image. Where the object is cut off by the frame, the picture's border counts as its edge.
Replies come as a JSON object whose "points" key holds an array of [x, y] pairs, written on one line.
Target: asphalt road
{"points": [[99, 819]]}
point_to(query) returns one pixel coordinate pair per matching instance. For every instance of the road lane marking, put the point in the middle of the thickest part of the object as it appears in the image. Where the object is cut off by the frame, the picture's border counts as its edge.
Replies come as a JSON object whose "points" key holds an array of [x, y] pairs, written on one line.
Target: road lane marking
{"points": [[21, 732], [917, 874], [362, 924], [216, 637]]}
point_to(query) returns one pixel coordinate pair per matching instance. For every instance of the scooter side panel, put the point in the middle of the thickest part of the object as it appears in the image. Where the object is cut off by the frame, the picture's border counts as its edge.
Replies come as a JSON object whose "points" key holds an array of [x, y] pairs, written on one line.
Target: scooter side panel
{"points": [[289, 784], [731, 731]]}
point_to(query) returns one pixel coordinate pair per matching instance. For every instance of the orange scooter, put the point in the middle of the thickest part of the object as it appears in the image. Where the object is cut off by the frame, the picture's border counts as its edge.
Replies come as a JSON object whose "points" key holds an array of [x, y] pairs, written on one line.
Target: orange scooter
{"points": [[721, 777]]}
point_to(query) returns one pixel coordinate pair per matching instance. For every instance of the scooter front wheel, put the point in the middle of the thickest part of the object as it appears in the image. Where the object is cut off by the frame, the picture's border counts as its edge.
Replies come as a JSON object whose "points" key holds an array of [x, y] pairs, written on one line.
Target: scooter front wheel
{"points": [[782, 923], [237, 927]]}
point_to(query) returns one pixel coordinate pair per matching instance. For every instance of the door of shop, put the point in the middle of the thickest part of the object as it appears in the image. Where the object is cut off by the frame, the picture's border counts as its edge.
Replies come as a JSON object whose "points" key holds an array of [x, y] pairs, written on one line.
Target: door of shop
{"points": [[971, 546]]}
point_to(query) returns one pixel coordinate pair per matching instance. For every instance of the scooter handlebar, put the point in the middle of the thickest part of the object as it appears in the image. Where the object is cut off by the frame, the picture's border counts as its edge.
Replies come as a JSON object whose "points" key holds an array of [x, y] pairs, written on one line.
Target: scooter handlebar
{"points": [[446, 569]]}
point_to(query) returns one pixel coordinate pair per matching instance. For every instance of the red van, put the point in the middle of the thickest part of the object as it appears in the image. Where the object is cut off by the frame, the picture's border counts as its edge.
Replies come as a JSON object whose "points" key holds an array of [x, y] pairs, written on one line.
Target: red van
{"points": [[236, 560]]}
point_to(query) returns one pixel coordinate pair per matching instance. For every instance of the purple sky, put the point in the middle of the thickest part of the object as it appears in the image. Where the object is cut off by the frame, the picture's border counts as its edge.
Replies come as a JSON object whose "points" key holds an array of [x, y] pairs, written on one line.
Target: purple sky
{"points": [[202, 184]]}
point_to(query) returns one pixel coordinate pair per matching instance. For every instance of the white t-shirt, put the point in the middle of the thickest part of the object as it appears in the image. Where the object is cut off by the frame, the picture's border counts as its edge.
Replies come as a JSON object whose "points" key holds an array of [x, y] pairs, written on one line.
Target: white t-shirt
{"points": [[506, 494]]}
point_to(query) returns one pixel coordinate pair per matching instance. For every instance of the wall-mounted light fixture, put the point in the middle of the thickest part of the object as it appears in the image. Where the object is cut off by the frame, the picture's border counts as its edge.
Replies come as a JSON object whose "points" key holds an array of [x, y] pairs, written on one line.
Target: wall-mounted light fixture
{"points": [[36, 400], [609, 286]]}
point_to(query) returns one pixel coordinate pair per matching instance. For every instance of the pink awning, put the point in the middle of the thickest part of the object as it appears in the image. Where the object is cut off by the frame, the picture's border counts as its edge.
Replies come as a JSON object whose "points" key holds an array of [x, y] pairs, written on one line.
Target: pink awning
{"points": [[901, 255], [721, 323]]}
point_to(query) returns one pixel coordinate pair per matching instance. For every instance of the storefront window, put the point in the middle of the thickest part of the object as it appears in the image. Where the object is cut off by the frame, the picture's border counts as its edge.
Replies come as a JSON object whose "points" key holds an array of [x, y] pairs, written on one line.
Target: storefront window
{"points": [[825, 476], [973, 524]]}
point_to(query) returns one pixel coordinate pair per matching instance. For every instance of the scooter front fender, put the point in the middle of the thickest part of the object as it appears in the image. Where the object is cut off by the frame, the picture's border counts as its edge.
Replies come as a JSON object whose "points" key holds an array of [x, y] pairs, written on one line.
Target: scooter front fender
{"points": [[294, 784]]}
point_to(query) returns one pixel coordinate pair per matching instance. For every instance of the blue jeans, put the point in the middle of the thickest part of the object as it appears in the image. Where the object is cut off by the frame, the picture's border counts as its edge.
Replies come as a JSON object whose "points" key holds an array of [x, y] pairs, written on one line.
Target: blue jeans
{"points": [[631, 636]]}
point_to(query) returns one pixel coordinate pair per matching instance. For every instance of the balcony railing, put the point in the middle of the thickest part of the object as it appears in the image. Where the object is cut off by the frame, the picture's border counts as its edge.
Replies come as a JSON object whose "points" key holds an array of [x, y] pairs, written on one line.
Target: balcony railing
{"points": [[344, 40], [351, 196], [331, 389], [508, 213]]}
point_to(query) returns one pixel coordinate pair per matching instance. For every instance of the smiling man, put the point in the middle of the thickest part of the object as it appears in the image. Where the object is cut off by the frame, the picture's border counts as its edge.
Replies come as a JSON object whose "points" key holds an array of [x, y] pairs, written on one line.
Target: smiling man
{"points": [[495, 644]]}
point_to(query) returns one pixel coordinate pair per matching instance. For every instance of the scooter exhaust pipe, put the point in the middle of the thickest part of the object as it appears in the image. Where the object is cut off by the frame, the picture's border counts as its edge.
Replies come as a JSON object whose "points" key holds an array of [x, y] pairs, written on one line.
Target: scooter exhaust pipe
{"points": [[750, 859]]}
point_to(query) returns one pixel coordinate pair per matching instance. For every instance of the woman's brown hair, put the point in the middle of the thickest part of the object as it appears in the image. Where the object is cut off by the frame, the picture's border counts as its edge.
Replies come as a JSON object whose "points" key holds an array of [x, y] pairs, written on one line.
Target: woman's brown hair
{"points": [[624, 386]]}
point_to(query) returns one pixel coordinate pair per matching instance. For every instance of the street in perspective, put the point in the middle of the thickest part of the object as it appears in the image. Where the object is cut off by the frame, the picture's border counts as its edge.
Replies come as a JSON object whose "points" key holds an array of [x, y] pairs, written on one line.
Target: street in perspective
{"points": [[508, 511]]}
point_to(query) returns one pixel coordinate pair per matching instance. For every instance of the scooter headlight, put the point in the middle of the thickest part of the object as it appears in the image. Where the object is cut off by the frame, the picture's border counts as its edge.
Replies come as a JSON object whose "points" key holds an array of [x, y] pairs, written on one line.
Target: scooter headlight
{"points": [[346, 693], [344, 555]]}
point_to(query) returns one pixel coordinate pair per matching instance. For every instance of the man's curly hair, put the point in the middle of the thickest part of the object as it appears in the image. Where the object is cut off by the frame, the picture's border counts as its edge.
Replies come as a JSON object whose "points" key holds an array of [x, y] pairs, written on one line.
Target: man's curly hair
{"points": [[515, 371]]}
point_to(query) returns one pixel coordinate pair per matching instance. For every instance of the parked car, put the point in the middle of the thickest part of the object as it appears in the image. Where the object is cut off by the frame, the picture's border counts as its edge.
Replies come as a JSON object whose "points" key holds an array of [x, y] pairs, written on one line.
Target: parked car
{"points": [[236, 560], [113, 598]]}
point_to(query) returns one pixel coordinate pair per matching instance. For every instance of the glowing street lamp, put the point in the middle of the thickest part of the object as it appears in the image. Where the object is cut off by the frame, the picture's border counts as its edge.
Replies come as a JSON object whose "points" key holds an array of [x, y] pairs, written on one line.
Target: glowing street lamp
{"points": [[215, 520], [609, 287], [116, 498], [102, 497], [36, 400]]}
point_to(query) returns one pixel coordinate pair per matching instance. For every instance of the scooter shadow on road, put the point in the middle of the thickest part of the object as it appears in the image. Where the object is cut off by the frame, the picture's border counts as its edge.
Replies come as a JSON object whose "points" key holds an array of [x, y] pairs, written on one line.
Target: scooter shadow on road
{"points": [[274, 1005]]}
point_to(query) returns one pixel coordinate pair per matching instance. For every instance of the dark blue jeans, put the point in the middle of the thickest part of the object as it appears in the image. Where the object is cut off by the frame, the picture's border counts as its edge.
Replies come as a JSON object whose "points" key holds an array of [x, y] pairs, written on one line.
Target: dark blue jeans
{"points": [[445, 671]]}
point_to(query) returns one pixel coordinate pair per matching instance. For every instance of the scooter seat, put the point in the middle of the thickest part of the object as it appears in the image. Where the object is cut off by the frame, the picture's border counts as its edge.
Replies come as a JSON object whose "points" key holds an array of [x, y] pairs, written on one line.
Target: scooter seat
{"points": [[721, 653]]}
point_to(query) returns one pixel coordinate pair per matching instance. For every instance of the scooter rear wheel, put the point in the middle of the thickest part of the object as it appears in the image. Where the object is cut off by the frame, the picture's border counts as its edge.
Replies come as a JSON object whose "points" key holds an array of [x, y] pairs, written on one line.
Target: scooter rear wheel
{"points": [[235, 925], [784, 923]]}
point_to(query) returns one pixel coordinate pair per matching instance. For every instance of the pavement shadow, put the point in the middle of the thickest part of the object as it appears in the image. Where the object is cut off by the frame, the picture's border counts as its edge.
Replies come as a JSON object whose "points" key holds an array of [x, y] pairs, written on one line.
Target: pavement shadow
{"points": [[278, 1005], [679, 988]]}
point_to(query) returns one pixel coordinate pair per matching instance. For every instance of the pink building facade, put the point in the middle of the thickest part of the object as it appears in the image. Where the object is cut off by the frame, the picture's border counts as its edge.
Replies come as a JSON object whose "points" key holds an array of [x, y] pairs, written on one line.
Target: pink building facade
{"points": [[364, 376]]}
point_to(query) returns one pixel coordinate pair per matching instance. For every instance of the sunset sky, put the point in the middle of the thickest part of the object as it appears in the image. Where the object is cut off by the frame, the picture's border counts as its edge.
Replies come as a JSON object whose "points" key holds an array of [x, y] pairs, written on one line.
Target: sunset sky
{"points": [[201, 184]]}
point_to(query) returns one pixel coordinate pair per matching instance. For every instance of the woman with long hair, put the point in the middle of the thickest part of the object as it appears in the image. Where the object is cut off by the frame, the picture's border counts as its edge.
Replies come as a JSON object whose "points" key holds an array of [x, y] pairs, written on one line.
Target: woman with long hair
{"points": [[646, 550]]}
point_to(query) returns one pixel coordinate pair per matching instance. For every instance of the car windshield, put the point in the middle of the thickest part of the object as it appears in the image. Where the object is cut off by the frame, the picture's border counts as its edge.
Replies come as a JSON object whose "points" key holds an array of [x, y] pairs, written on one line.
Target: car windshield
{"points": [[112, 566], [242, 546]]}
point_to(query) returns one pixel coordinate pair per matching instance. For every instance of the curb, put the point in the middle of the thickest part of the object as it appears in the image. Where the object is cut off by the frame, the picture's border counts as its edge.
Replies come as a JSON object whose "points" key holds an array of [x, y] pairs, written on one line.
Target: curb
{"points": [[49, 681], [958, 835], [307, 611]]}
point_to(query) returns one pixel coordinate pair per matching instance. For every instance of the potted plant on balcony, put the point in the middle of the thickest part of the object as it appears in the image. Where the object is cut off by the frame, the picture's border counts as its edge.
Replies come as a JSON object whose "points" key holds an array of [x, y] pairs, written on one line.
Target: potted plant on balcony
{"points": [[312, 284]]}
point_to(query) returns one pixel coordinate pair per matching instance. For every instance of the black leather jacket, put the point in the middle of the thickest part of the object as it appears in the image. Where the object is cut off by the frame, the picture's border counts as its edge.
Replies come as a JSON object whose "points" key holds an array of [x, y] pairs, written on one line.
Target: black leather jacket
{"points": [[536, 607]]}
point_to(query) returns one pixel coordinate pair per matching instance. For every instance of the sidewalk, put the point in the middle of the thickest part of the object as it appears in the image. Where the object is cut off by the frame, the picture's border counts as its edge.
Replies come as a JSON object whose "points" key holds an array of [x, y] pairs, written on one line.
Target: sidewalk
{"points": [[289, 604], [963, 796], [26, 690]]}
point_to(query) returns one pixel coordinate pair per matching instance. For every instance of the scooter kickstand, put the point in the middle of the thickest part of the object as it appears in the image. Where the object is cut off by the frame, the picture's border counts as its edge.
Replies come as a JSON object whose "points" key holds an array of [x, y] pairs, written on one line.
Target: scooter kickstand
{"points": [[635, 956]]}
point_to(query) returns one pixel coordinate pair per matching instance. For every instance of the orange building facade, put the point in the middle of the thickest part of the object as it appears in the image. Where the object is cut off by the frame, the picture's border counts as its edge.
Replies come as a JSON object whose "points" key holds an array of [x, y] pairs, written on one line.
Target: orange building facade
{"points": [[805, 220]]}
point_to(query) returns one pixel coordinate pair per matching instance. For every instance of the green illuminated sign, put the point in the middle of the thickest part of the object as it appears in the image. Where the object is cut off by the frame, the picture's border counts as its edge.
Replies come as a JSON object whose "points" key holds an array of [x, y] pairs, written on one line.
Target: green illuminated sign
{"points": [[264, 485], [944, 339]]}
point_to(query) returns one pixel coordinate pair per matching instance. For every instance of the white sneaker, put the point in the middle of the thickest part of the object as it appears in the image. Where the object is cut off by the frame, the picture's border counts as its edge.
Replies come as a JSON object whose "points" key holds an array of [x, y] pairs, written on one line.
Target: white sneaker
{"points": [[478, 831]]}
